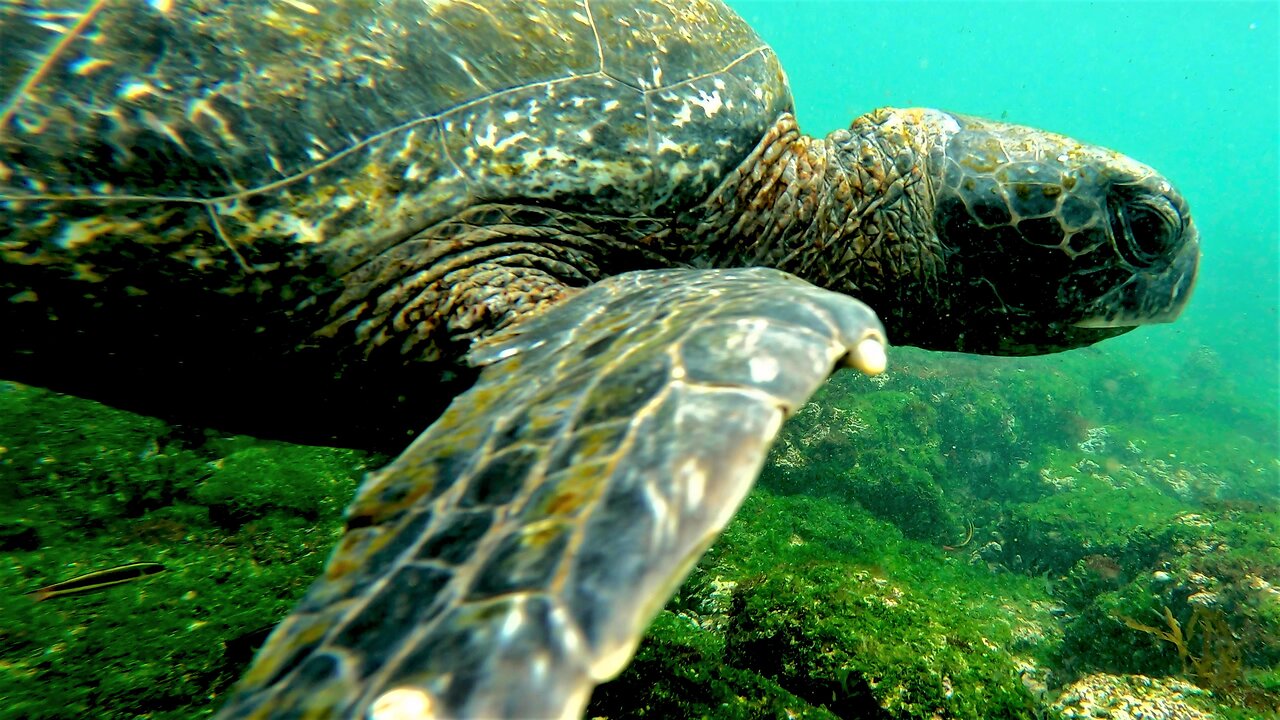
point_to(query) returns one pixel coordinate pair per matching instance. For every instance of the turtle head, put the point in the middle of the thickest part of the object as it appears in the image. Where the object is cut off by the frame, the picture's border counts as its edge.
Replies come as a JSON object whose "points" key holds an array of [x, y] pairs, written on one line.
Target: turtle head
{"points": [[1042, 243]]}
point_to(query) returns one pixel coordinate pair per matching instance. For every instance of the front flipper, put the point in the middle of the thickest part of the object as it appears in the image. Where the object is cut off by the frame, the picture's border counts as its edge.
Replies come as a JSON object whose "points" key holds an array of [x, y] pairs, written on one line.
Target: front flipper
{"points": [[513, 556]]}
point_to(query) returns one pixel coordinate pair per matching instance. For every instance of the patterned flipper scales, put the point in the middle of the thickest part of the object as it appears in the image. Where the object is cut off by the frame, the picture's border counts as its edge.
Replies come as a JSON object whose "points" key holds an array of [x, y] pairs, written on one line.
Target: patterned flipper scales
{"points": [[513, 556]]}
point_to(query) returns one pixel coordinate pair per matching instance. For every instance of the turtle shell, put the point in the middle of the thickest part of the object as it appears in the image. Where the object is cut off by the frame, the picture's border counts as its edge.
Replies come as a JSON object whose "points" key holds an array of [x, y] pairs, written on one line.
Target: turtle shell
{"points": [[236, 133], [235, 161]]}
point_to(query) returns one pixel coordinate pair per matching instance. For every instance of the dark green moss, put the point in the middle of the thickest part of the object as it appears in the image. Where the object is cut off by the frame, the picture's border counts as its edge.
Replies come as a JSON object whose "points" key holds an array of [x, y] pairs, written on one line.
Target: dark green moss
{"points": [[310, 483], [678, 671], [86, 488]]}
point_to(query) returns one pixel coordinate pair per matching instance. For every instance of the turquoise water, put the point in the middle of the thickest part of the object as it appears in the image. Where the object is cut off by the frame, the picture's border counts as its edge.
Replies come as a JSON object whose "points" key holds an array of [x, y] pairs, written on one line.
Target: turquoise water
{"points": [[902, 524], [1188, 88]]}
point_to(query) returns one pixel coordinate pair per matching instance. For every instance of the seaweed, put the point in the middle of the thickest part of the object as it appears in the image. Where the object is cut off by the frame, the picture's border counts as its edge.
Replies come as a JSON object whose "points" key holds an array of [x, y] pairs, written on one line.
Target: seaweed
{"points": [[1210, 654]]}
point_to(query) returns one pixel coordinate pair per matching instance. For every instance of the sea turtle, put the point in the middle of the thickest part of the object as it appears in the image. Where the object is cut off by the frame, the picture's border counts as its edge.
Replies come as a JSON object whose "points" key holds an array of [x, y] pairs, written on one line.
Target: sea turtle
{"points": [[328, 219]]}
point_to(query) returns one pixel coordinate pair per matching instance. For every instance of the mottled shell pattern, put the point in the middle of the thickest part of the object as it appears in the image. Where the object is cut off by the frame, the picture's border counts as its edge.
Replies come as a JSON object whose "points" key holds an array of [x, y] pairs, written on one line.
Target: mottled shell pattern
{"points": [[250, 134]]}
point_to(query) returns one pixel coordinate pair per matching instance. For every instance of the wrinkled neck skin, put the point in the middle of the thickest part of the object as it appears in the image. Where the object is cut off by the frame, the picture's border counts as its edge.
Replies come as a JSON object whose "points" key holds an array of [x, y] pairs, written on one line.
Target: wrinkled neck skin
{"points": [[851, 212]]}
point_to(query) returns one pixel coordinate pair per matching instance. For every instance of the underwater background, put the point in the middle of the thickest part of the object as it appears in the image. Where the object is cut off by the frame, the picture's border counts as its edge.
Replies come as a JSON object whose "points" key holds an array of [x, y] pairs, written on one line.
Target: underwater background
{"points": [[1091, 534], [1189, 88]]}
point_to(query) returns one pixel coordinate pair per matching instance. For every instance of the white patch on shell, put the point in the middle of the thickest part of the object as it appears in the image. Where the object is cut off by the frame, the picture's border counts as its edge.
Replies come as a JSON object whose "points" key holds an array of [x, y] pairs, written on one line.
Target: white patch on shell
{"points": [[491, 140], [710, 104], [159, 127], [466, 67], [305, 7], [610, 105], [537, 158], [509, 141], [747, 338], [659, 511], [303, 230], [684, 116], [318, 150], [510, 116], [665, 145], [78, 232], [511, 625]]}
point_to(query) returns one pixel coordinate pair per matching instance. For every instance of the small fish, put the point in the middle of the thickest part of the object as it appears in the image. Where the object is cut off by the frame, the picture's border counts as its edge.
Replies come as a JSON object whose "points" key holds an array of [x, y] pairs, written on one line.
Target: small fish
{"points": [[97, 580], [1103, 566]]}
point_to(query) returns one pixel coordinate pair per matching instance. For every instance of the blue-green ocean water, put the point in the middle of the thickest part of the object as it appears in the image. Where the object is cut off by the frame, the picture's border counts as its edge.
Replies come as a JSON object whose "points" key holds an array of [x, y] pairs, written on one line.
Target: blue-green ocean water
{"points": [[1188, 88]]}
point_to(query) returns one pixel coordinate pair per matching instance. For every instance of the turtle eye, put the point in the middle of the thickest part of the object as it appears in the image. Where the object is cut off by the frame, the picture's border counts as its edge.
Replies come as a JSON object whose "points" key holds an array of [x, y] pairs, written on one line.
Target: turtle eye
{"points": [[1144, 228]]}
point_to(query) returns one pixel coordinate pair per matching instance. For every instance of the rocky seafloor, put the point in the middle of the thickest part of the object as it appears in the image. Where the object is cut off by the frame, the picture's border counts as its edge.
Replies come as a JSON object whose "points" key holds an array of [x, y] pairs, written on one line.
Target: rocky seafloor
{"points": [[960, 538]]}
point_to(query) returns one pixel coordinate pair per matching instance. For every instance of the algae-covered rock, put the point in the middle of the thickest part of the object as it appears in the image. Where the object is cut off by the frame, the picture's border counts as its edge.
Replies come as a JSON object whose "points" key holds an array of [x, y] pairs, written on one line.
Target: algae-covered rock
{"points": [[1207, 614], [256, 478], [897, 491], [97, 463], [1132, 697], [877, 449], [679, 672], [829, 595], [865, 647], [84, 487]]}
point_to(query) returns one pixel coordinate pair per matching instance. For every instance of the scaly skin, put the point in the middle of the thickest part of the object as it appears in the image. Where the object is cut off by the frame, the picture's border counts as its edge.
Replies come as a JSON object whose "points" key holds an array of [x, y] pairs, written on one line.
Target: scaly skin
{"points": [[965, 234], [970, 235]]}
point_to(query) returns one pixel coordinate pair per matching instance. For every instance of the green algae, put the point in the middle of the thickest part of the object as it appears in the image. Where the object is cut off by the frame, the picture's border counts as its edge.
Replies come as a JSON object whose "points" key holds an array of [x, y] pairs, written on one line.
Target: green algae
{"points": [[838, 608], [845, 586], [306, 482], [96, 487]]}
